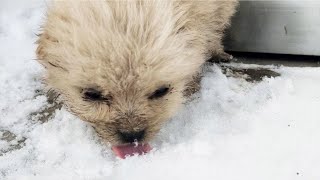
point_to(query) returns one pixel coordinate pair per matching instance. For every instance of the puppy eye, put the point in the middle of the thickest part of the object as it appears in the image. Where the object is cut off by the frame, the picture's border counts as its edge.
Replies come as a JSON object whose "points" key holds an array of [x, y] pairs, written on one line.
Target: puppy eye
{"points": [[159, 93], [95, 95], [92, 94]]}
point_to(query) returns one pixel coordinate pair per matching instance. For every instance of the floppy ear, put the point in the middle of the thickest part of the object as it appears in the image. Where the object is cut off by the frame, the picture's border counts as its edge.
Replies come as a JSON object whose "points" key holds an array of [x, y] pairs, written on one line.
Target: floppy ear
{"points": [[43, 55]]}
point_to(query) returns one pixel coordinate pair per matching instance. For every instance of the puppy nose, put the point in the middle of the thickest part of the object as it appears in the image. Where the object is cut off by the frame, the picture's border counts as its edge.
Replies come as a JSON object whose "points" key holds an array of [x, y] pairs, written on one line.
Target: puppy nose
{"points": [[130, 137]]}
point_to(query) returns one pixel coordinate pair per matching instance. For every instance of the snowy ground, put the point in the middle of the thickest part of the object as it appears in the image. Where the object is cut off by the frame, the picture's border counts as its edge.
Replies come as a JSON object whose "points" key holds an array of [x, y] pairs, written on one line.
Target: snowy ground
{"points": [[234, 129]]}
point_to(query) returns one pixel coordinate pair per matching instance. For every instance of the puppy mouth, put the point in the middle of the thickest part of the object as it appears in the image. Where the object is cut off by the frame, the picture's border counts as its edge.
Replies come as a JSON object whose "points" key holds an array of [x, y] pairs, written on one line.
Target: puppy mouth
{"points": [[126, 150]]}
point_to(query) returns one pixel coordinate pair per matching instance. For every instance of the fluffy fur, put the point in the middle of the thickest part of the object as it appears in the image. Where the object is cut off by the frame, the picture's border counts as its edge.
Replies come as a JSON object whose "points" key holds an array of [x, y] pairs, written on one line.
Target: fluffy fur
{"points": [[128, 49]]}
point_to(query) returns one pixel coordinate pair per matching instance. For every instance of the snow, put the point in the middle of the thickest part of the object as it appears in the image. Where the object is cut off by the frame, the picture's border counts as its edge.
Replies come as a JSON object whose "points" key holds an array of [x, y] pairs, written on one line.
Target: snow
{"points": [[233, 129]]}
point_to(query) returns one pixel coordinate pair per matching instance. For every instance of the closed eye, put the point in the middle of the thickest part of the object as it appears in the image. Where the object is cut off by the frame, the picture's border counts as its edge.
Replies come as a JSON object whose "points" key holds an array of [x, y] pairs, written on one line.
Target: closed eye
{"points": [[159, 93], [91, 94]]}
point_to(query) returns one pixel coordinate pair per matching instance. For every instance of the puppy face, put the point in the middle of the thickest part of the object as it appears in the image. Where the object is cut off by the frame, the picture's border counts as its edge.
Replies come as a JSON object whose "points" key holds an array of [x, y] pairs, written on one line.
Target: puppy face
{"points": [[125, 109], [124, 79], [124, 104]]}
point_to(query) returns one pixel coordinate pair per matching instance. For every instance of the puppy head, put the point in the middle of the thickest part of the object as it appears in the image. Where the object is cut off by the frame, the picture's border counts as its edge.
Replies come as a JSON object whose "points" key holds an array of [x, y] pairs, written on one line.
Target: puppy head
{"points": [[125, 83]]}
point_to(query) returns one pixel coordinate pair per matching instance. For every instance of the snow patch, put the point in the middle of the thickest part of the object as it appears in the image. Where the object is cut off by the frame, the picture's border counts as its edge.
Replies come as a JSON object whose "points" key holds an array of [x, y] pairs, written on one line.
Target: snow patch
{"points": [[232, 130]]}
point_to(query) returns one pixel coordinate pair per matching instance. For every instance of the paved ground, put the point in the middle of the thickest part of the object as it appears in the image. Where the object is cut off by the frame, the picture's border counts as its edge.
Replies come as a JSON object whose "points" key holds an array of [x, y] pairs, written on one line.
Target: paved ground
{"points": [[274, 59]]}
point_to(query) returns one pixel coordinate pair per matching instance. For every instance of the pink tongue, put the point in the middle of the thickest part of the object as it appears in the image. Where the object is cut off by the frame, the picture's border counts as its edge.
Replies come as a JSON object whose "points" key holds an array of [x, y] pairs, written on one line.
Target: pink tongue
{"points": [[130, 149]]}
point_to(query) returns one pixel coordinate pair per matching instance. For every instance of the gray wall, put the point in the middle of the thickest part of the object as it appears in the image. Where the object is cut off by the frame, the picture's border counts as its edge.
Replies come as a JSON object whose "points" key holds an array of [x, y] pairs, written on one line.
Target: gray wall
{"points": [[285, 27]]}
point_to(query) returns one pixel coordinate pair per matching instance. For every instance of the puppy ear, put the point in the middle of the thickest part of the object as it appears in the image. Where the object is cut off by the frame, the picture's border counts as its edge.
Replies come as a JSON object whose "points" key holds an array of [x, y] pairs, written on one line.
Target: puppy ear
{"points": [[43, 56], [40, 52]]}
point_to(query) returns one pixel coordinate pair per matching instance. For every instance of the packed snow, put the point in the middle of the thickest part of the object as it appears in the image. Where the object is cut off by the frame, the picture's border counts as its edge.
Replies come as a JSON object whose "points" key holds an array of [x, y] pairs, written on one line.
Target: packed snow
{"points": [[233, 129]]}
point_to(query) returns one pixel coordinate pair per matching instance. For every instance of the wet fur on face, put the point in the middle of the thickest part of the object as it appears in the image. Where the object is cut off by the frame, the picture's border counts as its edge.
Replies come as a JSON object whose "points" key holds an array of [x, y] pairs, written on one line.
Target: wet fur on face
{"points": [[107, 59]]}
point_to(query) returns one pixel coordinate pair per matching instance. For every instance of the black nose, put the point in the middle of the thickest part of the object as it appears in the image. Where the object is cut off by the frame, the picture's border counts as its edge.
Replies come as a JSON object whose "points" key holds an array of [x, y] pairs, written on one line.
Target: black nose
{"points": [[130, 137]]}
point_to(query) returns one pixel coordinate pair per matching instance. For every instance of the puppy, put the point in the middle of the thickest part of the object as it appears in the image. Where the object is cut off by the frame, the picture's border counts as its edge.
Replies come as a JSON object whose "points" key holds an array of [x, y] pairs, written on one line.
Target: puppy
{"points": [[123, 66]]}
